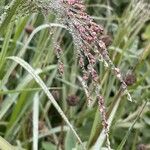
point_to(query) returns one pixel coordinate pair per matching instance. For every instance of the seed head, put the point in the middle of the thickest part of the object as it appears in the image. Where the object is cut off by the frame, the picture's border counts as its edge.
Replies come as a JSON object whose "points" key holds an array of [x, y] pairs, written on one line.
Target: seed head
{"points": [[29, 29], [130, 78], [72, 100]]}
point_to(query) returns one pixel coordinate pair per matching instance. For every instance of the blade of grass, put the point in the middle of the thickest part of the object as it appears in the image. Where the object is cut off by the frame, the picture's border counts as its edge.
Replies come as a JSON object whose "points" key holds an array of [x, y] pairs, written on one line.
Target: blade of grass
{"points": [[45, 89], [4, 145], [5, 46], [120, 147], [27, 90], [35, 121]]}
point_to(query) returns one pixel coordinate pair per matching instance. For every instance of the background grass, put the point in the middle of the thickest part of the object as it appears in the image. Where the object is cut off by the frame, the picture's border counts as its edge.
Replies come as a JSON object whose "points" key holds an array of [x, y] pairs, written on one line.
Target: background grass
{"points": [[127, 24]]}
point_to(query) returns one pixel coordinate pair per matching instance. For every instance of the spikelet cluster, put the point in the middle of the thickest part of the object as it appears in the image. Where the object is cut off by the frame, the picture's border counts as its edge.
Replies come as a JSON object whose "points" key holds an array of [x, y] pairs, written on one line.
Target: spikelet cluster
{"points": [[87, 38]]}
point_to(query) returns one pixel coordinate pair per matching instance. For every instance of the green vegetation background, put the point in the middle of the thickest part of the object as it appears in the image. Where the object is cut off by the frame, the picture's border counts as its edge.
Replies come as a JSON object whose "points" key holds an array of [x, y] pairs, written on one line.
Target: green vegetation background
{"points": [[128, 27]]}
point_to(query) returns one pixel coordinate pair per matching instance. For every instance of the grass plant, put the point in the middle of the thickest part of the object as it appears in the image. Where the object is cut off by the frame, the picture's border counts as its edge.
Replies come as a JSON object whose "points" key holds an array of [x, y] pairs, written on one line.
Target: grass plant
{"points": [[58, 58]]}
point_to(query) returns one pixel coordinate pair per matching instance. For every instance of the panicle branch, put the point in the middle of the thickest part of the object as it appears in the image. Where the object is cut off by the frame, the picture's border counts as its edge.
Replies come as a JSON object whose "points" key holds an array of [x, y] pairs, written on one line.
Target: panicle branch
{"points": [[87, 37]]}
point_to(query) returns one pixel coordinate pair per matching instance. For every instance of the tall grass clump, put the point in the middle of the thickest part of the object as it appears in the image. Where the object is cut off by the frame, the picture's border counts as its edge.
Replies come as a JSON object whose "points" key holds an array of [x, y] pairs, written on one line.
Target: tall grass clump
{"points": [[66, 76]]}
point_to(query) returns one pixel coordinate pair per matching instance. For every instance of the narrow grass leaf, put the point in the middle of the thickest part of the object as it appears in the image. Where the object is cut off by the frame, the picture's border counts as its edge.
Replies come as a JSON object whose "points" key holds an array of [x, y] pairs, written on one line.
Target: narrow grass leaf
{"points": [[35, 121], [4, 145], [120, 147]]}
